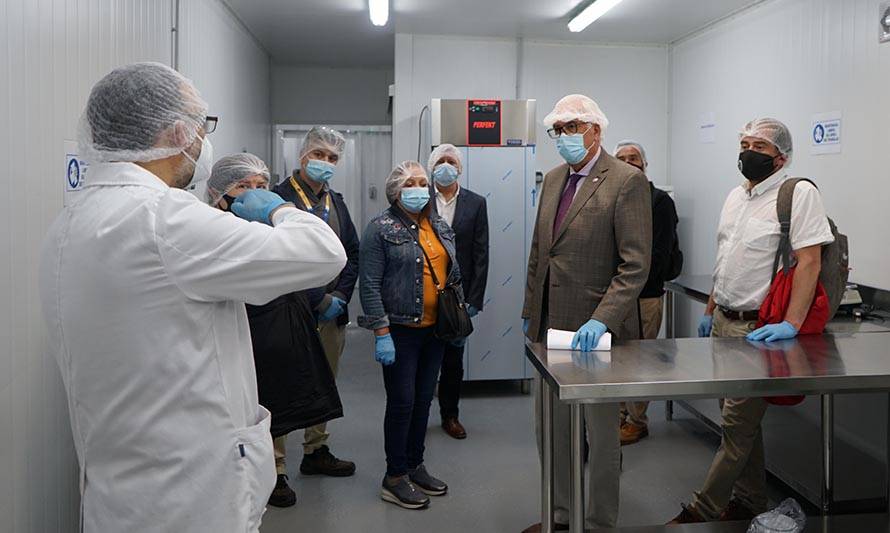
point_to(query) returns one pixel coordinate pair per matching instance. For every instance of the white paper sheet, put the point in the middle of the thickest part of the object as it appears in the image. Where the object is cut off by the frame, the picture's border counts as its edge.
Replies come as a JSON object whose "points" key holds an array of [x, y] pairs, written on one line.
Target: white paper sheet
{"points": [[558, 339]]}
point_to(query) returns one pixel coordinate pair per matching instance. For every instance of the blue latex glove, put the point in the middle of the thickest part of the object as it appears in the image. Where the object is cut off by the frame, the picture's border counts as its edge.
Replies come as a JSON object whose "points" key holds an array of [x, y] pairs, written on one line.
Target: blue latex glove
{"points": [[773, 332], [384, 350], [705, 325], [459, 342], [472, 311], [256, 205], [588, 336], [333, 311], [525, 326]]}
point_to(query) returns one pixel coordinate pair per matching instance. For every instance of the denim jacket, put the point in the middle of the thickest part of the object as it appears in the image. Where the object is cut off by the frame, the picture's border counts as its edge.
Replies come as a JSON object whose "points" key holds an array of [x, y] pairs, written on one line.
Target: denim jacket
{"points": [[391, 269]]}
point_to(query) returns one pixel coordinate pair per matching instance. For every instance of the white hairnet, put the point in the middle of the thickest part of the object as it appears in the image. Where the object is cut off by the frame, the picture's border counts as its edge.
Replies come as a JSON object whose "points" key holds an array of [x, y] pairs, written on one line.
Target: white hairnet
{"points": [[230, 170], [771, 131], [577, 107], [324, 138], [140, 112], [635, 144], [441, 151], [399, 176]]}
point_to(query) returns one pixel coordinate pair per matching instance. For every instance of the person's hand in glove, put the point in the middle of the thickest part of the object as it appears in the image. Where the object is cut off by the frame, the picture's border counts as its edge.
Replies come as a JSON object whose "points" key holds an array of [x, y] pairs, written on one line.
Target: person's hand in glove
{"points": [[705, 325], [333, 311], [384, 350], [460, 343], [472, 311], [257, 205], [773, 332], [588, 336]]}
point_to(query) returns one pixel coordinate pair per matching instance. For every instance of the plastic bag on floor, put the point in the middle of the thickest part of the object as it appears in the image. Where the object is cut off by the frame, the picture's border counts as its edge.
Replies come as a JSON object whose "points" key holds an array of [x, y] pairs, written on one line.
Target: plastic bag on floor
{"points": [[788, 517]]}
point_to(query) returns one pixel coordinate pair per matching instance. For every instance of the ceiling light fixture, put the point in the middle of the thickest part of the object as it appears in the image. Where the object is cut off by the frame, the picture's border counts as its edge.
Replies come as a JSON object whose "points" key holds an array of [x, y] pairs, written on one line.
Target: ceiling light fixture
{"points": [[379, 10], [592, 12]]}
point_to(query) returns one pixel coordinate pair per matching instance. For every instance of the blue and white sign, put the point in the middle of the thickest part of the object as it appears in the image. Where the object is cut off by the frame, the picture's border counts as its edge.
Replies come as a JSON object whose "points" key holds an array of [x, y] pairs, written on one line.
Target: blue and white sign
{"points": [[75, 170], [825, 133]]}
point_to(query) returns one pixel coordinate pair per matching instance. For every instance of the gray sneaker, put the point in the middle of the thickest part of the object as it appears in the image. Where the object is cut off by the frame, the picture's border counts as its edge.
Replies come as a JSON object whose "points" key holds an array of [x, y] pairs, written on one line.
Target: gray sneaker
{"points": [[427, 483], [403, 493]]}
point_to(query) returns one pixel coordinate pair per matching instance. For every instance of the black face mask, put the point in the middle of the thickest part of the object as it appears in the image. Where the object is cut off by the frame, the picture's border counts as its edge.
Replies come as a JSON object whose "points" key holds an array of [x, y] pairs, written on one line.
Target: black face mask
{"points": [[756, 166], [229, 201]]}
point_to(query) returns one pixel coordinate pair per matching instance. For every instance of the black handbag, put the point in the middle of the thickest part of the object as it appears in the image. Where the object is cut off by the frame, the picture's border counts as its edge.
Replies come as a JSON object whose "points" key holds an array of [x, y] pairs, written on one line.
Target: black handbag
{"points": [[452, 321]]}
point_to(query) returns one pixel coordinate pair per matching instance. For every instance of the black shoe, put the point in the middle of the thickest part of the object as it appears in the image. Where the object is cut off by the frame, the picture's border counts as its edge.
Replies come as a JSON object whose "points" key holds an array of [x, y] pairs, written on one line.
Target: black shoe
{"points": [[427, 483], [323, 462], [283, 495], [403, 493]]}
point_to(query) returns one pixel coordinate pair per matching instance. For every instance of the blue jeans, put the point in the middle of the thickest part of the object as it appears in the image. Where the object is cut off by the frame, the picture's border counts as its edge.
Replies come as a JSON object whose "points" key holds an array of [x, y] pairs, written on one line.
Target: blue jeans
{"points": [[410, 383]]}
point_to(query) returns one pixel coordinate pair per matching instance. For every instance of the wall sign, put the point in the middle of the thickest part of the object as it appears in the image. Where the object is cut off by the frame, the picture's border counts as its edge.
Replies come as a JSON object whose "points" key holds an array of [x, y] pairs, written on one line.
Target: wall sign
{"points": [[825, 133], [707, 128]]}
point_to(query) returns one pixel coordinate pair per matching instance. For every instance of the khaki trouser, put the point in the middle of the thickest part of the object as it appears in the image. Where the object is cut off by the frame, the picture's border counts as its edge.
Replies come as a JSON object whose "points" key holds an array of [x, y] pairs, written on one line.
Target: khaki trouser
{"points": [[604, 459], [738, 468], [333, 339], [651, 311]]}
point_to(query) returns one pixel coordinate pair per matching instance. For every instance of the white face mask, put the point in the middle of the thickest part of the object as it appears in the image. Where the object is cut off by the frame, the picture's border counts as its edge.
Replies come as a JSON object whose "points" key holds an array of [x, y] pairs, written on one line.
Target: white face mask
{"points": [[203, 165]]}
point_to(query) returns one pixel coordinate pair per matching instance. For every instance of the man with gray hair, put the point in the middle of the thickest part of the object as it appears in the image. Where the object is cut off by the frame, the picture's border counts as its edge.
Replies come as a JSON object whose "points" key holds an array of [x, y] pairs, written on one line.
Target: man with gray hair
{"points": [[665, 258], [143, 289], [588, 262], [747, 240]]}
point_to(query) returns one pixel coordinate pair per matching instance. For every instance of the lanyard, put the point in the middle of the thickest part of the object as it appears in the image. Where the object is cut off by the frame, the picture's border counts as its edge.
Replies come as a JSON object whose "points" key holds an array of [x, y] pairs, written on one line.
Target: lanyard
{"points": [[326, 214]]}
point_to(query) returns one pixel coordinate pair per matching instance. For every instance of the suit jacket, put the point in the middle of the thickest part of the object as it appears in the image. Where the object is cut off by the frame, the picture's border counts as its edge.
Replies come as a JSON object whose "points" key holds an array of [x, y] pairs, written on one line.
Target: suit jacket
{"points": [[596, 264], [470, 227]]}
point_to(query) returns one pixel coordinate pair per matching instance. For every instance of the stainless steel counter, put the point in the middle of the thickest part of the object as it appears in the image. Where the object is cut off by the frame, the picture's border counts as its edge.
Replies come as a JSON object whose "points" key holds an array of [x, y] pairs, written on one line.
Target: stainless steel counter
{"points": [[866, 523], [704, 368]]}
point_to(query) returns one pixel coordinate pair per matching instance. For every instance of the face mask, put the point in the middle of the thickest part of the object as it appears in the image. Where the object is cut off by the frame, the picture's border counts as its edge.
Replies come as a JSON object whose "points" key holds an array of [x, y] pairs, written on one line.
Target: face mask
{"points": [[203, 165], [320, 171], [414, 199], [445, 174], [571, 148], [756, 166]]}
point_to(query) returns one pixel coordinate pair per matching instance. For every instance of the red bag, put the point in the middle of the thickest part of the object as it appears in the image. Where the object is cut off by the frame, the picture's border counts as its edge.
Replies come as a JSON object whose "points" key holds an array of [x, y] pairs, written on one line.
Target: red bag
{"points": [[773, 312]]}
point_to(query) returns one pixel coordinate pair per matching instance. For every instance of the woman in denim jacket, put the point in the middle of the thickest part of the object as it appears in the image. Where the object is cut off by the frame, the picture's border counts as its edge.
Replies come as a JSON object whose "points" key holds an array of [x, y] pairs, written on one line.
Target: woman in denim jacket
{"points": [[400, 299]]}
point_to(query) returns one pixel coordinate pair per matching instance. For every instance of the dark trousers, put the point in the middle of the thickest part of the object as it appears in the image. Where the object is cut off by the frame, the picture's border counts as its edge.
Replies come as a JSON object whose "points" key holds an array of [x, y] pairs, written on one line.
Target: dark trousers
{"points": [[450, 378], [410, 382]]}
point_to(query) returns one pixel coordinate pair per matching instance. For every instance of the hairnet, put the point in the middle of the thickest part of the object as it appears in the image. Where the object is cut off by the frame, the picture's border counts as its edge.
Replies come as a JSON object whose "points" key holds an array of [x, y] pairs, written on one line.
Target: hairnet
{"points": [[230, 170], [635, 144], [399, 176], [324, 138], [140, 112], [441, 151], [577, 107], [772, 131]]}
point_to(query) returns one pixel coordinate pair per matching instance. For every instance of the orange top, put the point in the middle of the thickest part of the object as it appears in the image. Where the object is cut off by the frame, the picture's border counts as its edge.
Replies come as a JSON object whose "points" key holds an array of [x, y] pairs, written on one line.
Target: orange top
{"points": [[439, 258]]}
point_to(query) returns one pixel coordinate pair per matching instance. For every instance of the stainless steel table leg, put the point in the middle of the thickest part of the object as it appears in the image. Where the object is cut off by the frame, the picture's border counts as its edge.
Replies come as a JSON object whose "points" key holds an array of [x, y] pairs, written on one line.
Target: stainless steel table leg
{"points": [[546, 458], [669, 410], [576, 519], [827, 453], [670, 332]]}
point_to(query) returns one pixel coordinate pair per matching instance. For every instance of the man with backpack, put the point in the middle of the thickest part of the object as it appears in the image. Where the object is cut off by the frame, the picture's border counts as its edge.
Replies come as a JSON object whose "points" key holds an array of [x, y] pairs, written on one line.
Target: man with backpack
{"points": [[748, 238], [667, 262]]}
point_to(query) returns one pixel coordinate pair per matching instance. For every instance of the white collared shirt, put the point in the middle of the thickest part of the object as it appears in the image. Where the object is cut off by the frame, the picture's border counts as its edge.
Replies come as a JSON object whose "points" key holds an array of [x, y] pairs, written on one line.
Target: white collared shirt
{"points": [[748, 237], [446, 207], [584, 172]]}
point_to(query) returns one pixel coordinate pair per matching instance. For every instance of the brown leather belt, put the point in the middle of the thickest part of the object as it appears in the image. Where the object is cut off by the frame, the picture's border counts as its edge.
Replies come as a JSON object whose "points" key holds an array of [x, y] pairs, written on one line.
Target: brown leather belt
{"points": [[747, 316]]}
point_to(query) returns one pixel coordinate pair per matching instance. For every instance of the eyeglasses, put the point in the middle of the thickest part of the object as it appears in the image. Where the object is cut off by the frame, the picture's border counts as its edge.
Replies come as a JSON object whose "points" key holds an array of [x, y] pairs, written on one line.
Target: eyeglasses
{"points": [[571, 128], [210, 124]]}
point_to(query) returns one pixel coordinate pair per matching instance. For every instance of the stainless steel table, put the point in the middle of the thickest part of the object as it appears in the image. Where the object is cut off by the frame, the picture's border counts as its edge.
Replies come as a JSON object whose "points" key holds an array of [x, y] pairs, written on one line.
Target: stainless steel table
{"points": [[868, 523], [699, 368]]}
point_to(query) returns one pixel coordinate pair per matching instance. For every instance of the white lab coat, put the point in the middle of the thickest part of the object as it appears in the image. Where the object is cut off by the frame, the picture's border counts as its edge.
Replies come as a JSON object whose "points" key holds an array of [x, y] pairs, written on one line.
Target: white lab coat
{"points": [[142, 288]]}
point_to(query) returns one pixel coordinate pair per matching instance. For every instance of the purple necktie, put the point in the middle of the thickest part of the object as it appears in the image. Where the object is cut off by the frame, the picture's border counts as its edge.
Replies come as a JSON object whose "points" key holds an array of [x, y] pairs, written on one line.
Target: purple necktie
{"points": [[565, 202]]}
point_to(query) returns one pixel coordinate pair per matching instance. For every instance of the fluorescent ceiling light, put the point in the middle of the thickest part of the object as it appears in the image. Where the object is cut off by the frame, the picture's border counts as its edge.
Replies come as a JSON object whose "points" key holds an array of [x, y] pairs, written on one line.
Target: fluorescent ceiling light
{"points": [[379, 10], [592, 12]]}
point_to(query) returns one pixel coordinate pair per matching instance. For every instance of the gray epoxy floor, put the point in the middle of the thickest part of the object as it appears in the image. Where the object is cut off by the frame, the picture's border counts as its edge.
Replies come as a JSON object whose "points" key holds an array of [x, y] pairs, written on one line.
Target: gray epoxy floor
{"points": [[493, 475]]}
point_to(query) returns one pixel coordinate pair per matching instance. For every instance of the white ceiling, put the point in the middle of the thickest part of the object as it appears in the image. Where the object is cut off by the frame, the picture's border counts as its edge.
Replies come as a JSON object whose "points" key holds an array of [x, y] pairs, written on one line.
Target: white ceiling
{"points": [[339, 32]]}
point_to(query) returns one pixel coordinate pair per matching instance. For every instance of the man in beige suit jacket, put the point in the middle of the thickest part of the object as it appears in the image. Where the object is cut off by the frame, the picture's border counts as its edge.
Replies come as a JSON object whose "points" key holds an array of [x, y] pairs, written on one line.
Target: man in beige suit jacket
{"points": [[589, 260]]}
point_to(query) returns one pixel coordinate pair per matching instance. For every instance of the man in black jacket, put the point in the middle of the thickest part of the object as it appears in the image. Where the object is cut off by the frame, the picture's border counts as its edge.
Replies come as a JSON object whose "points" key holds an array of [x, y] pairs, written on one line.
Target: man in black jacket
{"points": [[634, 424], [467, 214], [308, 189]]}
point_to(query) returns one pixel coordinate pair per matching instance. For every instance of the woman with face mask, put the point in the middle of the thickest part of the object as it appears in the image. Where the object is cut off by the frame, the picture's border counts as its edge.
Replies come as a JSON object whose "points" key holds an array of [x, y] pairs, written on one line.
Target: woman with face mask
{"points": [[407, 256], [294, 379]]}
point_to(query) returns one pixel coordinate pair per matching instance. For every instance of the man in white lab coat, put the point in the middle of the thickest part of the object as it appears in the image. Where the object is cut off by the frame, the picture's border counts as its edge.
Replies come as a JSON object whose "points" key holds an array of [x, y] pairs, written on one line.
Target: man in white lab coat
{"points": [[143, 289]]}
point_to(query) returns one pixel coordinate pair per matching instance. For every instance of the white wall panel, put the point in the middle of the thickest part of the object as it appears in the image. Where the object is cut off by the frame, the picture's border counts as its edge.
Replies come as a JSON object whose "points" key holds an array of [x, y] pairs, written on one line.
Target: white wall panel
{"points": [[232, 71], [51, 53], [789, 59]]}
